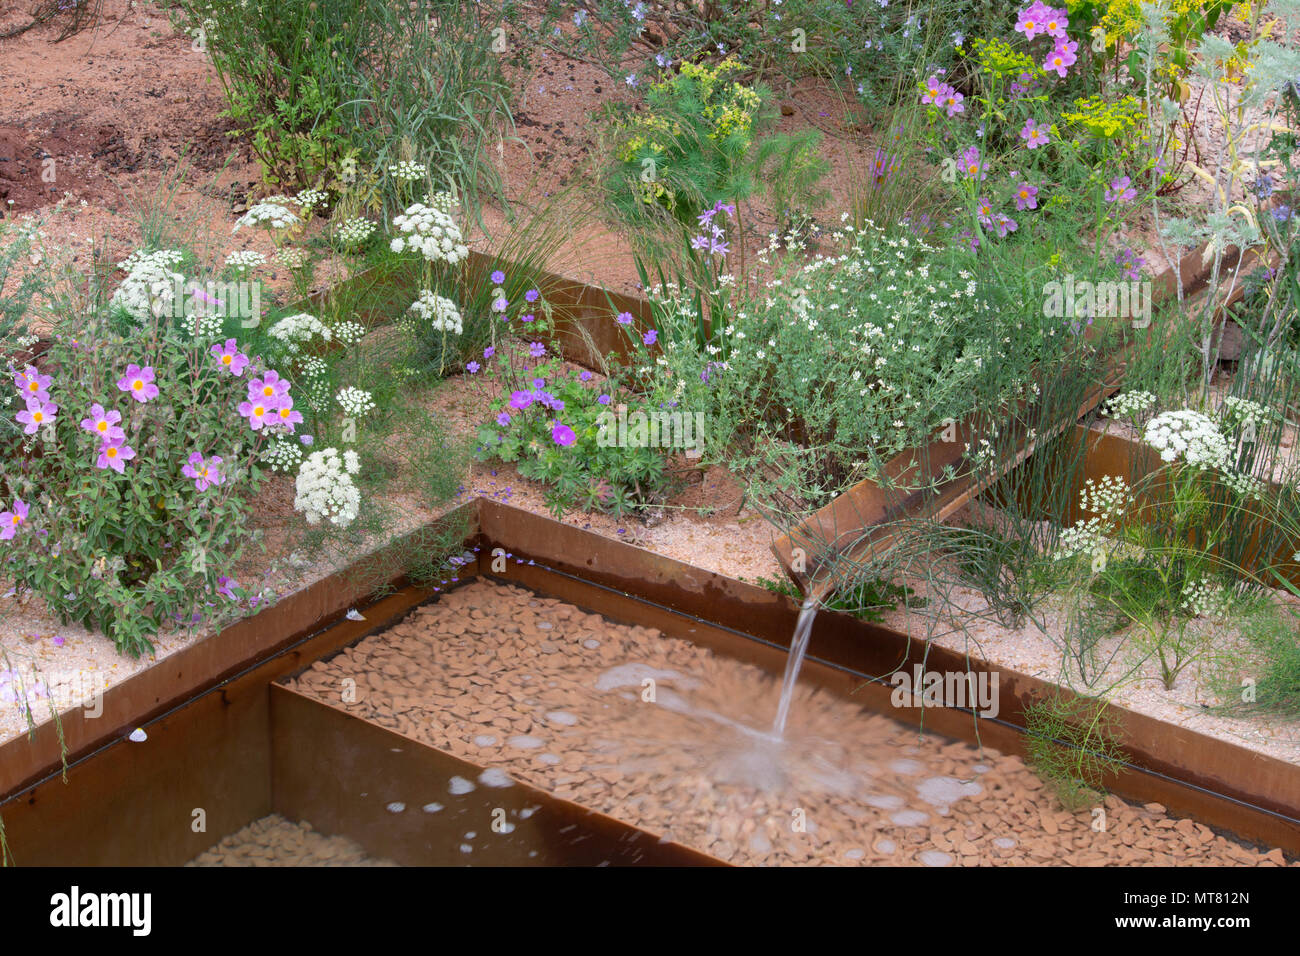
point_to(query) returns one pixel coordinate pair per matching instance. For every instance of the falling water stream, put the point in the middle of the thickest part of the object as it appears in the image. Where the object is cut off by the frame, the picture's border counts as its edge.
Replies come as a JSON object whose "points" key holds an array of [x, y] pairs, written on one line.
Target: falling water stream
{"points": [[798, 648]]}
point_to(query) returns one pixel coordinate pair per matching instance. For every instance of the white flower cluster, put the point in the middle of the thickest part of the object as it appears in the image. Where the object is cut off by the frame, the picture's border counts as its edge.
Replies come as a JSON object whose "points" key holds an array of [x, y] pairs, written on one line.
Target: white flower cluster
{"points": [[349, 333], [245, 259], [325, 488], [313, 368], [440, 312], [1130, 404], [311, 198], [290, 257], [1244, 485], [1203, 598], [1110, 498], [1244, 414], [1083, 537], [407, 171], [430, 232], [282, 454], [271, 215], [355, 401], [209, 326], [294, 330], [150, 285], [443, 201], [354, 232], [1188, 435]]}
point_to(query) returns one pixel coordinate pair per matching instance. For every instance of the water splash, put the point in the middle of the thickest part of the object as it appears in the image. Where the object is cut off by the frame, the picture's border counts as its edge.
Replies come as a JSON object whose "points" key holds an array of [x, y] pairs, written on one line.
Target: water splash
{"points": [[798, 649]]}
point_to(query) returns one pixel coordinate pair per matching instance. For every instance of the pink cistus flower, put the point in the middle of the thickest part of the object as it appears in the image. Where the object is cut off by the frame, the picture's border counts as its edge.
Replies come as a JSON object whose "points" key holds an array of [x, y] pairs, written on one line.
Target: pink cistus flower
{"points": [[102, 424], [230, 358], [951, 101], [1034, 134], [1004, 225], [1026, 197], [285, 416], [37, 415], [269, 386], [204, 472], [139, 383], [1061, 58], [1054, 23], [11, 521], [1031, 20], [33, 384], [259, 413], [115, 455], [932, 92], [1120, 190], [984, 211], [970, 163], [563, 435]]}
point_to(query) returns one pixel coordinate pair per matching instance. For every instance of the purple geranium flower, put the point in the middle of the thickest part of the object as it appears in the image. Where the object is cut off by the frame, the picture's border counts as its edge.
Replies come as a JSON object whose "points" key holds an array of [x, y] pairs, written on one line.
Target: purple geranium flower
{"points": [[504, 419], [563, 435], [489, 352], [498, 277], [650, 337], [139, 383], [603, 400], [585, 376], [521, 400], [472, 367], [624, 318], [531, 296], [537, 350]]}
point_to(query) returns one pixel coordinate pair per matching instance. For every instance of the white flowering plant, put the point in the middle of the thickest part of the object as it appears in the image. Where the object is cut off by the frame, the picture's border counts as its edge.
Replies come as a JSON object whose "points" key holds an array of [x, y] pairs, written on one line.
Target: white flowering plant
{"points": [[1174, 547]]}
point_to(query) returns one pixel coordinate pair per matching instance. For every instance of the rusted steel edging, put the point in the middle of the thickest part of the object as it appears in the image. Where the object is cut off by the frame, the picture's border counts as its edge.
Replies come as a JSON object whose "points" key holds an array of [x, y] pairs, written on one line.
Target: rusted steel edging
{"points": [[189, 671]]}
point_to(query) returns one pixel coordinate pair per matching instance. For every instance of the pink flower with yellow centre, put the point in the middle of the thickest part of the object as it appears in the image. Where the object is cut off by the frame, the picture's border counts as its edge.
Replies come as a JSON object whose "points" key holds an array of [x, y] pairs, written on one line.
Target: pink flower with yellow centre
{"points": [[205, 472], [33, 384], [37, 415], [114, 455], [11, 521], [268, 387], [259, 413], [139, 383], [286, 417], [103, 425], [230, 358]]}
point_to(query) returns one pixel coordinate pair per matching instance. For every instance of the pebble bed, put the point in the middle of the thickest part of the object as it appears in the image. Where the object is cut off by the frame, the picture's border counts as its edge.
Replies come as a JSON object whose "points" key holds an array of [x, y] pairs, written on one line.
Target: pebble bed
{"points": [[559, 698], [275, 841]]}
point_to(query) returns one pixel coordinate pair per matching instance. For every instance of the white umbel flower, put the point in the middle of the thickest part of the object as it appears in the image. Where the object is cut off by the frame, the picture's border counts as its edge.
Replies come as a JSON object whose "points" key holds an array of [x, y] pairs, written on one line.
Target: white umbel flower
{"points": [[440, 312], [355, 401], [325, 488], [269, 215], [1189, 436], [430, 232], [149, 288]]}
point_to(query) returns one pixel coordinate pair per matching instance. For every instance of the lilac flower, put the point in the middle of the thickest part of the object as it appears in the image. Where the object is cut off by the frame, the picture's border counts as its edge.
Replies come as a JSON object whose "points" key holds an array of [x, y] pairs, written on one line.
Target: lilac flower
{"points": [[10, 521], [537, 350], [472, 367], [970, 163], [1120, 190], [498, 277], [139, 383], [630, 79], [1034, 134], [33, 384], [699, 242], [650, 337], [624, 318], [231, 359], [114, 455], [225, 587], [504, 419], [563, 435], [1264, 186], [204, 471], [307, 439], [1282, 213], [37, 414], [102, 424], [1026, 197]]}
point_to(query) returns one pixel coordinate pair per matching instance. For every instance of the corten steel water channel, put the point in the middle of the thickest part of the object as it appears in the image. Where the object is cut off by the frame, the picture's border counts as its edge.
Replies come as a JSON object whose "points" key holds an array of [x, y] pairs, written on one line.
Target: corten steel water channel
{"points": [[243, 747], [212, 669]]}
